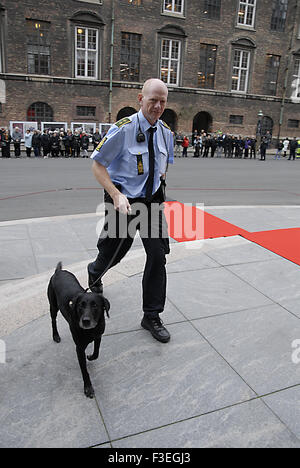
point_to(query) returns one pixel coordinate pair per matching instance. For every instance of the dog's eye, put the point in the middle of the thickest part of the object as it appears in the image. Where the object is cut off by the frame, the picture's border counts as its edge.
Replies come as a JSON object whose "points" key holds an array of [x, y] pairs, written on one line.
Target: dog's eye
{"points": [[83, 304]]}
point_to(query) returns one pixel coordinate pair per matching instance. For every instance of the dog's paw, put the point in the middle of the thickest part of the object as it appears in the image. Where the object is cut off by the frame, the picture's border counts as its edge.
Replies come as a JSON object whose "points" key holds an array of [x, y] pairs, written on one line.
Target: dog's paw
{"points": [[56, 338], [89, 391]]}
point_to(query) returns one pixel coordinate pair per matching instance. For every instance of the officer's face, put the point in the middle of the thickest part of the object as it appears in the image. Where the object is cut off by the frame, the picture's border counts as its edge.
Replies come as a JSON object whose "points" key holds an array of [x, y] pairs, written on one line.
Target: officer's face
{"points": [[153, 101]]}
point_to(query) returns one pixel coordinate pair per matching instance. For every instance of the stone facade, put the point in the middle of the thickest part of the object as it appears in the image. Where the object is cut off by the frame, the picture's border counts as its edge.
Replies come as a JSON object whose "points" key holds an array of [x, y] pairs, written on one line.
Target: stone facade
{"points": [[189, 106]]}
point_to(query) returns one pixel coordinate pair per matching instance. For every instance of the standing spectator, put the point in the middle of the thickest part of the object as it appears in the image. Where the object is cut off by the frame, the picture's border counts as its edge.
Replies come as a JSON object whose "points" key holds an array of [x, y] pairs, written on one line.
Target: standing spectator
{"points": [[286, 144], [17, 137], [62, 148], [28, 143], [263, 148], [220, 145], [185, 145], [69, 144], [253, 148], [45, 143], [293, 147], [85, 141], [96, 138], [5, 144], [213, 144], [36, 143], [77, 144], [207, 145], [279, 148], [247, 144], [179, 141], [197, 146], [54, 142]]}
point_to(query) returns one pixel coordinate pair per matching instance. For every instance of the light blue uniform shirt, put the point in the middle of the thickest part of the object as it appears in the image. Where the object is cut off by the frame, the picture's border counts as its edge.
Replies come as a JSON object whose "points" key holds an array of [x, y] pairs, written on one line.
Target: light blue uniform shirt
{"points": [[121, 154]]}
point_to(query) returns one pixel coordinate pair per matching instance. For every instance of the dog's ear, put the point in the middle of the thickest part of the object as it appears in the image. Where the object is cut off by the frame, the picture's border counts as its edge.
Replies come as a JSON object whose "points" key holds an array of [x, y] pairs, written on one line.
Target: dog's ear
{"points": [[106, 306]]}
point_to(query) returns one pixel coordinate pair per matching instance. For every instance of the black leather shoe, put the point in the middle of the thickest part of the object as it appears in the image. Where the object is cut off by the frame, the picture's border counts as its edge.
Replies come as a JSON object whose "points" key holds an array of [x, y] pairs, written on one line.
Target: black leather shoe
{"points": [[155, 326], [95, 286]]}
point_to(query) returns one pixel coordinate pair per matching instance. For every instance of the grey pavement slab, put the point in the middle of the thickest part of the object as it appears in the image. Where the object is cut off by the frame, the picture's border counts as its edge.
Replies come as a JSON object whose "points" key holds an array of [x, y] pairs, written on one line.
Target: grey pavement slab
{"points": [[141, 385], [286, 406], [42, 403], [279, 280], [257, 343], [248, 425], [215, 291]]}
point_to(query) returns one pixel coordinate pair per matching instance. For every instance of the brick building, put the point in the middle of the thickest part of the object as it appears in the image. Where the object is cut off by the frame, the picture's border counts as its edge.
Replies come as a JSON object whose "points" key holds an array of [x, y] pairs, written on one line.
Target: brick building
{"points": [[84, 61]]}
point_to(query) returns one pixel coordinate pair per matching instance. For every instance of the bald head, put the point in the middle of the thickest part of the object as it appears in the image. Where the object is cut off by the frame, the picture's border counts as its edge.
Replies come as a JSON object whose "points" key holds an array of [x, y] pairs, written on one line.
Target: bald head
{"points": [[153, 99]]}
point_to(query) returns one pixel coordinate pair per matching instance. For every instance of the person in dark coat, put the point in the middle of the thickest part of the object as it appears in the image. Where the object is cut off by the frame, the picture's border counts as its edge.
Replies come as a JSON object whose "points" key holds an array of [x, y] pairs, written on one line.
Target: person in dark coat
{"points": [[96, 138], [54, 142], [5, 144], [85, 141], [45, 143], [36, 143], [69, 144]]}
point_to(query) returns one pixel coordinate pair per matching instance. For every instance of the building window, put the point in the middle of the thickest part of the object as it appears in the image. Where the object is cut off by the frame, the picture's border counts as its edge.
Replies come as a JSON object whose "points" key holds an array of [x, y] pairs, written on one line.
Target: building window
{"points": [[40, 112], [174, 6], [296, 79], [271, 76], [1, 41], [236, 119], [170, 61], [246, 13], [86, 53], [279, 13], [293, 123], [212, 9], [38, 47], [206, 74], [240, 71], [130, 57], [86, 111]]}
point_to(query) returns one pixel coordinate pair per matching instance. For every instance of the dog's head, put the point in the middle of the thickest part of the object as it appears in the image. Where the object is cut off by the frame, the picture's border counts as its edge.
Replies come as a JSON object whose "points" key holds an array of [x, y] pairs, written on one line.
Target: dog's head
{"points": [[89, 309]]}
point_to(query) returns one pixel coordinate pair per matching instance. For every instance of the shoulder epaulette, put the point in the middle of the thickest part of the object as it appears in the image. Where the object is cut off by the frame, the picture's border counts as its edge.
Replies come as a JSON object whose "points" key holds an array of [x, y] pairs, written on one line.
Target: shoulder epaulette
{"points": [[122, 122], [165, 125]]}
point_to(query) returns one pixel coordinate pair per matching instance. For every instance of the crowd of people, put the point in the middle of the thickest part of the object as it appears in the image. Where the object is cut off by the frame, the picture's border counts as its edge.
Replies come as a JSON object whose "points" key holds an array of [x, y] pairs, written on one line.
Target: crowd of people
{"points": [[58, 143], [217, 145], [68, 144]]}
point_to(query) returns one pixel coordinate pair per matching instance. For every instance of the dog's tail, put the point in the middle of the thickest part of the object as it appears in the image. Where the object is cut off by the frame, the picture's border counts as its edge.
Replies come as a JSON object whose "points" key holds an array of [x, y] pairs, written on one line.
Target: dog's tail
{"points": [[58, 267]]}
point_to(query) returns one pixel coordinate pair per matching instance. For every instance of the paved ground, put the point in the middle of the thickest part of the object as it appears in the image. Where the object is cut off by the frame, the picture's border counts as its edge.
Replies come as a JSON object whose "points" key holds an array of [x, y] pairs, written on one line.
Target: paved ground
{"points": [[228, 378]]}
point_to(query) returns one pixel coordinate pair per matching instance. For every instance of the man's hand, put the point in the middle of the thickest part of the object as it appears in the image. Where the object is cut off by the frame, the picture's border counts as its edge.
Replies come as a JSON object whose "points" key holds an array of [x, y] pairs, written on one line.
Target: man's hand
{"points": [[121, 203]]}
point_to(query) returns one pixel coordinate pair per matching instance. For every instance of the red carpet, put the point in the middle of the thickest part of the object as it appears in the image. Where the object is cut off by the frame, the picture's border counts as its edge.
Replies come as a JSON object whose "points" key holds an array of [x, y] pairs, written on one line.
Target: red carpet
{"points": [[188, 223]]}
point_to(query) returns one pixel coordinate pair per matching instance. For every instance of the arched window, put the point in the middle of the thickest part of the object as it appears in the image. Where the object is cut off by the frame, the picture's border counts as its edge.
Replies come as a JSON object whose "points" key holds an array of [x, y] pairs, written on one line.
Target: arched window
{"points": [[125, 112], [170, 117], [202, 121], [40, 112], [267, 126]]}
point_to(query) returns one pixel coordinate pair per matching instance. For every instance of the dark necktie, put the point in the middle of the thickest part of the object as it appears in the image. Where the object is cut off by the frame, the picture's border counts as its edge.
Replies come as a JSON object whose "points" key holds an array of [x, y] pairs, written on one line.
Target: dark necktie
{"points": [[150, 180]]}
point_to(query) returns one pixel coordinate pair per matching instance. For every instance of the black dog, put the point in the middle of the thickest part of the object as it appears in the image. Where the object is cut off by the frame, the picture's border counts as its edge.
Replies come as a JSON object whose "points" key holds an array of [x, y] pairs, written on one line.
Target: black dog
{"points": [[85, 314]]}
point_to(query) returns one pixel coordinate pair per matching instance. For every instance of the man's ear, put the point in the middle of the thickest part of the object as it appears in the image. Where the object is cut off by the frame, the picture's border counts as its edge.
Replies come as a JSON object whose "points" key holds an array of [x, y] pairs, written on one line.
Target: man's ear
{"points": [[140, 97], [106, 306]]}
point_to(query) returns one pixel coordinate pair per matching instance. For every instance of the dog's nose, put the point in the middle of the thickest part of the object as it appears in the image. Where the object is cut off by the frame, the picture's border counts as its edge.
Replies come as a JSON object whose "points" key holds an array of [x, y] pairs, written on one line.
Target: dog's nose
{"points": [[86, 322]]}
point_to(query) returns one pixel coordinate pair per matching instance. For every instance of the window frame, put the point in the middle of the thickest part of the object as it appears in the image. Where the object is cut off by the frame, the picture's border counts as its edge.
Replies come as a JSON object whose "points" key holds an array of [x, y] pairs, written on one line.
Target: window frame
{"points": [[172, 12], [2, 50], [268, 76], [136, 78], [206, 67], [243, 51], [296, 79], [247, 7], [207, 5], [169, 59], [86, 52], [36, 46], [280, 27]]}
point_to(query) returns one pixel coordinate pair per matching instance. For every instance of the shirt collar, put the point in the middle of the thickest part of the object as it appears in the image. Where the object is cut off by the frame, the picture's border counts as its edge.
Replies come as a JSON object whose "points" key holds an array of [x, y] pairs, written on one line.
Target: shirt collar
{"points": [[145, 125]]}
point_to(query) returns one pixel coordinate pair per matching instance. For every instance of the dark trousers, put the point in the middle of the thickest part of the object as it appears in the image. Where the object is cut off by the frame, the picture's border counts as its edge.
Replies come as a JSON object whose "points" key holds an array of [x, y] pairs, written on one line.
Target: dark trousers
{"points": [[154, 281], [292, 154], [17, 149]]}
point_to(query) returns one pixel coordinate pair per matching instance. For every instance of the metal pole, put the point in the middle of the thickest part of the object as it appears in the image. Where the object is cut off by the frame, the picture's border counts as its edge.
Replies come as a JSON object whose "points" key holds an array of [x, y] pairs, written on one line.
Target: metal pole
{"points": [[111, 62]]}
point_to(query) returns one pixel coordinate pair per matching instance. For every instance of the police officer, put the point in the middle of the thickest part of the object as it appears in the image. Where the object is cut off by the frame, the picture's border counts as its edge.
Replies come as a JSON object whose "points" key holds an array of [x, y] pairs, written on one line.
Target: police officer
{"points": [[130, 164]]}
